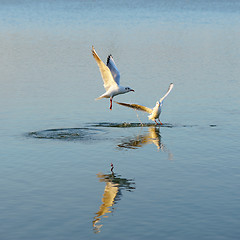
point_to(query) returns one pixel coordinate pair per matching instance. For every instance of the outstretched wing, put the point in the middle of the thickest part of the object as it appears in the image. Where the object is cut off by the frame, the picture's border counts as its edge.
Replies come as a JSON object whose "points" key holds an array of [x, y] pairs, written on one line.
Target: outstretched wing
{"points": [[105, 71], [113, 68], [136, 106], [168, 91]]}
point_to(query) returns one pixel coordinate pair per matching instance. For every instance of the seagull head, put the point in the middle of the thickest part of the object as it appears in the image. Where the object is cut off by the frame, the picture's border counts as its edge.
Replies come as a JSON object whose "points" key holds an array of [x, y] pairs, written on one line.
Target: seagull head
{"points": [[128, 89], [158, 104]]}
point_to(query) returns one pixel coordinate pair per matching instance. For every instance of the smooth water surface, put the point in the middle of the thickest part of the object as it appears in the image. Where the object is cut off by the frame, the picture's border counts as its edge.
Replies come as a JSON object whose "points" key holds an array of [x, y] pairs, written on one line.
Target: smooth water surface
{"points": [[71, 168]]}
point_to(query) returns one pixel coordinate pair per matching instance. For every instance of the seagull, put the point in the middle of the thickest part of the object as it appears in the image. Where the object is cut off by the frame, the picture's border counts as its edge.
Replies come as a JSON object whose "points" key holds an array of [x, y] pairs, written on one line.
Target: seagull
{"points": [[111, 78], [154, 112]]}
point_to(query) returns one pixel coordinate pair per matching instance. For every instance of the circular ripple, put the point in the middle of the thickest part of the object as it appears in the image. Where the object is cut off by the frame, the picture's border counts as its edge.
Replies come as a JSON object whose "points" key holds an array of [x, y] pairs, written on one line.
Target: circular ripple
{"points": [[82, 134]]}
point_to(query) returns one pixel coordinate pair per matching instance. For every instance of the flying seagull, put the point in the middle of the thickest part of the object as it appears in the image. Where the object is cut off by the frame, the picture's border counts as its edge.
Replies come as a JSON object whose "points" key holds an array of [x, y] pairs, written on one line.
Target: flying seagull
{"points": [[111, 78], [154, 112]]}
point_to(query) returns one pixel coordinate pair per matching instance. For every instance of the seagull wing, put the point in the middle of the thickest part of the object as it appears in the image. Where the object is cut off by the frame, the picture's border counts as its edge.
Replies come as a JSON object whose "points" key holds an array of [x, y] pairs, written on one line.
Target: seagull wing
{"points": [[113, 68], [105, 71], [168, 91], [136, 106]]}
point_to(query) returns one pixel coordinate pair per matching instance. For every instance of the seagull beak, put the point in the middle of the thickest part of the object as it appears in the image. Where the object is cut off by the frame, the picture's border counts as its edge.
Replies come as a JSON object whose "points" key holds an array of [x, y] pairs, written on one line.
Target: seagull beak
{"points": [[132, 90]]}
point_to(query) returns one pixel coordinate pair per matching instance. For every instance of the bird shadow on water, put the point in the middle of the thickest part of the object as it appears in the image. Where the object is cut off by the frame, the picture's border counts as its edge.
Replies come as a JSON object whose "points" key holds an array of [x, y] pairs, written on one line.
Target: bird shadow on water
{"points": [[114, 184]]}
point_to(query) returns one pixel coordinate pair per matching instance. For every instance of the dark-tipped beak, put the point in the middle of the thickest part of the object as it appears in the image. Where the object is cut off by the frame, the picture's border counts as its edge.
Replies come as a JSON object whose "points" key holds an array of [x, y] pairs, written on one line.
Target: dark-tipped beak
{"points": [[132, 90]]}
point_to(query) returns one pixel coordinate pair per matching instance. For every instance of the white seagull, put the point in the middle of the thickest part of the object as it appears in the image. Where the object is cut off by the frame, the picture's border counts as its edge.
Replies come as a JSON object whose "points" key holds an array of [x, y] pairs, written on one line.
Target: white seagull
{"points": [[111, 78], [154, 112]]}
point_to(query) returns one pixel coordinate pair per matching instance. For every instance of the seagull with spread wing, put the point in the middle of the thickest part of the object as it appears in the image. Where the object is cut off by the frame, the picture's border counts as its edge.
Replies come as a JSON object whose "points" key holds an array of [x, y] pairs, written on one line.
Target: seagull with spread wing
{"points": [[154, 112], [111, 78]]}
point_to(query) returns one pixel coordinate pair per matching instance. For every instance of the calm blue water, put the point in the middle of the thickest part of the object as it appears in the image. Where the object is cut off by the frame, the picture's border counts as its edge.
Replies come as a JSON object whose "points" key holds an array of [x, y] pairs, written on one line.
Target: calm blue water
{"points": [[177, 181]]}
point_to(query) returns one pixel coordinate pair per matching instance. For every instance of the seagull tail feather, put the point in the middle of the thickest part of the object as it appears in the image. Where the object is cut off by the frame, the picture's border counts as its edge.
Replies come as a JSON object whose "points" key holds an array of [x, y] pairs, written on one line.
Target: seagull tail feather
{"points": [[100, 97]]}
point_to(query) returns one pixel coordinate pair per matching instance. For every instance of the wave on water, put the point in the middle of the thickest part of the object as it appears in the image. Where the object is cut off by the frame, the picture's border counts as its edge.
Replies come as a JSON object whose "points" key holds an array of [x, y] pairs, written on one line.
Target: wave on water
{"points": [[81, 134], [129, 125], [126, 125], [93, 131]]}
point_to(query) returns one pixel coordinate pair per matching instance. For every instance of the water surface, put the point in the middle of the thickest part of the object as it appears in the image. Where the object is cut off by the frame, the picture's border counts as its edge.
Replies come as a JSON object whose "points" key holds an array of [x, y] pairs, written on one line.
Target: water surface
{"points": [[175, 181]]}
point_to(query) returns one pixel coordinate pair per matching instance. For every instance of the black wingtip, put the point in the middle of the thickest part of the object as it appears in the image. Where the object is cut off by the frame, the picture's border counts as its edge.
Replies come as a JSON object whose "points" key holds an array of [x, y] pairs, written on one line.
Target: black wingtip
{"points": [[108, 59]]}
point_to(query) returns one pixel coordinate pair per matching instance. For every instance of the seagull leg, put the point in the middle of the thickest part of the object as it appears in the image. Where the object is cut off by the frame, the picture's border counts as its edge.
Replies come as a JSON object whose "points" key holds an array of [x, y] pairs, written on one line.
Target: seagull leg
{"points": [[160, 122], [110, 103], [112, 168], [156, 122]]}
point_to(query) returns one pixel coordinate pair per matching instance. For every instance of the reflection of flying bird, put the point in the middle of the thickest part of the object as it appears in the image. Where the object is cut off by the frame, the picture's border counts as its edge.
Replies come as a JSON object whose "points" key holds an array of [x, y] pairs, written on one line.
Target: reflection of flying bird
{"points": [[109, 195], [154, 112], [112, 194], [153, 136], [111, 78]]}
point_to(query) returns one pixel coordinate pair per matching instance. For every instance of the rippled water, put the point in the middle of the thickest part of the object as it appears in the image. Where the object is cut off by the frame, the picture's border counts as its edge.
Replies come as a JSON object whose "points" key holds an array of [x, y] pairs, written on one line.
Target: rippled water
{"points": [[71, 168]]}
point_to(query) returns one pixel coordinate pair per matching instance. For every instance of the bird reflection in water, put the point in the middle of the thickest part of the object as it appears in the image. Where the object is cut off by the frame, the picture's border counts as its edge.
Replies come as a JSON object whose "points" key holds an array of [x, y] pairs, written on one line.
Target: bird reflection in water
{"points": [[111, 196], [152, 136]]}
